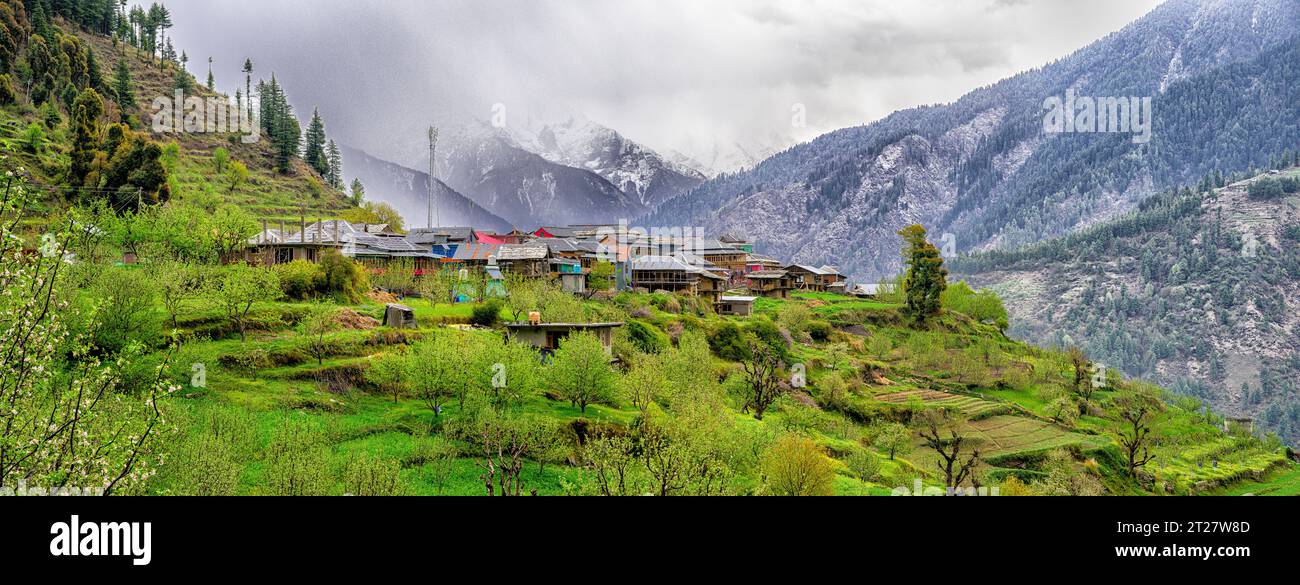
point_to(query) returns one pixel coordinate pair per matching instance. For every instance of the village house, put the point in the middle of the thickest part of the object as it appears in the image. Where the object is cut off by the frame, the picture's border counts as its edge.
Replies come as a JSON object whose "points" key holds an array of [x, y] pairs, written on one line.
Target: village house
{"points": [[775, 284], [547, 336], [528, 260], [672, 274], [736, 305], [737, 242], [809, 278], [372, 241]]}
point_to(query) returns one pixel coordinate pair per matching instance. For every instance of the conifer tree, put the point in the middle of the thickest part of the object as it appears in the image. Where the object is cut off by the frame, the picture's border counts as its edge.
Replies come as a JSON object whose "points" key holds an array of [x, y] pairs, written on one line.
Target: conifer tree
{"points": [[86, 111], [335, 176], [212, 84], [926, 277], [248, 85], [314, 150], [122, 86]]}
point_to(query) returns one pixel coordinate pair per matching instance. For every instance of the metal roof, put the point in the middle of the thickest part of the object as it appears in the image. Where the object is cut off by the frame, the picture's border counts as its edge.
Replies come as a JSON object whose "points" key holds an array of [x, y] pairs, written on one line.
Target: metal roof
{"points": [[522, 252]]}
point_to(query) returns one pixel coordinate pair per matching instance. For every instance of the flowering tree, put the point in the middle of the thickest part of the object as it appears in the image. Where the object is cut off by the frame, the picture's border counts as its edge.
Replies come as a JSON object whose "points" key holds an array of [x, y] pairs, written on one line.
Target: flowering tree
{"points": [[64, 423]]}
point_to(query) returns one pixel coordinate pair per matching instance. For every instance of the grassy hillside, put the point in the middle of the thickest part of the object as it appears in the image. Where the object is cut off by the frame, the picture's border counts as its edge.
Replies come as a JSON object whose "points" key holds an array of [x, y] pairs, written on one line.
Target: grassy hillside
{"points": [[1197, 290], [868, 371], [267, 194]]}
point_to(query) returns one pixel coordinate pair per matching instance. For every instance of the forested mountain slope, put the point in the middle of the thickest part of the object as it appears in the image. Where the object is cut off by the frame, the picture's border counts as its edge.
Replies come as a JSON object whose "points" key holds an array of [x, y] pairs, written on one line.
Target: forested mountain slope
{"points": [[1220, 73], [1197, 289]]}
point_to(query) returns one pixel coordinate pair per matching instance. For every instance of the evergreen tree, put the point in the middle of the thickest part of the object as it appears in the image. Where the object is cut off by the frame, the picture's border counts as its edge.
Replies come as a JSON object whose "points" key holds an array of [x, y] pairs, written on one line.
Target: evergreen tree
{"points": [[248, 85], [335, 176], [123, 91], [212, 84], [86, 111], [926, 277], [358, 192], [314, 151]]}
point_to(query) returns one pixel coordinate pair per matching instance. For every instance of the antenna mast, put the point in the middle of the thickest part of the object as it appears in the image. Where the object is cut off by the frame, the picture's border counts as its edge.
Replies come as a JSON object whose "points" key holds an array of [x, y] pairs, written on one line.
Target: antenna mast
{"points": [[433, 147]]}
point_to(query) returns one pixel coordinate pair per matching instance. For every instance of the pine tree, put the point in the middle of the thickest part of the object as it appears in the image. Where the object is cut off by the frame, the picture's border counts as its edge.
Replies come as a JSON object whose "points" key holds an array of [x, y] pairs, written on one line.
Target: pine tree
{"points": [[926, 277], [212, 84], [248, 85], [314, 151], [123, 91], [287, 141], [335, 176]]}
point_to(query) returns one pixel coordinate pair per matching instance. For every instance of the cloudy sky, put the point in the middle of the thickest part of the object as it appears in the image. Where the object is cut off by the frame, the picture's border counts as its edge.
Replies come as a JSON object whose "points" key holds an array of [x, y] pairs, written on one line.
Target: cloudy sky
{"points": [[680, 75]]}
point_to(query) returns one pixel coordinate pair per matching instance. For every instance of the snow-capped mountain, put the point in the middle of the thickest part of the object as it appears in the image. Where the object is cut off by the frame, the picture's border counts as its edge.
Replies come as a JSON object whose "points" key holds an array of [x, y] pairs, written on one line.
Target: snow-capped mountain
{"points": [[637, 170], [982, 172], [493, 169], [715, 155]]}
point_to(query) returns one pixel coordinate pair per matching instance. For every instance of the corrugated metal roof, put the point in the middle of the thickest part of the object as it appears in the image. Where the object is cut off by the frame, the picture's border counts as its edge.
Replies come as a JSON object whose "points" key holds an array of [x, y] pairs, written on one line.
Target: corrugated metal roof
{"points": [[475, 251], [522, 252]]}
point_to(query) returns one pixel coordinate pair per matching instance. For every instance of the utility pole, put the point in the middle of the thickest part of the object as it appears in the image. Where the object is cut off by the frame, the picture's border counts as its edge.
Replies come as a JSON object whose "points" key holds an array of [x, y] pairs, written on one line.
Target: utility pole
{"points": [[433, 163]]}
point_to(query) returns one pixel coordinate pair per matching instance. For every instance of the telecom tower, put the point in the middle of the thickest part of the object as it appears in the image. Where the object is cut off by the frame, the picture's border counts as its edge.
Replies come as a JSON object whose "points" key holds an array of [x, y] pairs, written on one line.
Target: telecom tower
{"points": [[433, 146]]}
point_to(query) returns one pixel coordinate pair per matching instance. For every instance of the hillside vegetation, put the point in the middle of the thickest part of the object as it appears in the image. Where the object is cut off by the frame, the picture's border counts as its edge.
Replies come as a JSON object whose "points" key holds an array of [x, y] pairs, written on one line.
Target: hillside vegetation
{"points": [[190, 372], [1197, 289]]}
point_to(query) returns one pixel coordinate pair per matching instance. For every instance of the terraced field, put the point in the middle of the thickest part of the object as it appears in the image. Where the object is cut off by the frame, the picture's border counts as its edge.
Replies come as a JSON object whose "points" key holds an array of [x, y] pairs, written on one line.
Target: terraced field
{"points": [[1005, 435], [967, 405], [1219, 462]]}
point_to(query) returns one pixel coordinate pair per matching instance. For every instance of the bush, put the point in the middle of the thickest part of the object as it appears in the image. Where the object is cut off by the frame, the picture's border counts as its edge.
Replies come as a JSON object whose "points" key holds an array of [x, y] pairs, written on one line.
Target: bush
{"points": [[865, 464], [728, 341], [1290, 185], [983, 306], [647, 338], [343, 277], [300, 279], [819, 330], [487, 314], [126, 312], [767, 332]]}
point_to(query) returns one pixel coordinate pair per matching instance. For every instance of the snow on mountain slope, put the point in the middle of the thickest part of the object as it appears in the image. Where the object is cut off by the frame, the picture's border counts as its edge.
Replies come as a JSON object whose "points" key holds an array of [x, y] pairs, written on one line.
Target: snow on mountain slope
{"points": [[638, 171]]}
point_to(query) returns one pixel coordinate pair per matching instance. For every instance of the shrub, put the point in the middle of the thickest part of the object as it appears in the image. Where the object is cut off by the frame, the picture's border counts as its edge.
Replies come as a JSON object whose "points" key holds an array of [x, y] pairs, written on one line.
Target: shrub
{"points": [[343, 277], [819, 330], [300, 279], [865, 464], [487, 314], [767, 332], [33, 138], [983, 306], [728, 341], [796, 466], [126, 313], [1290, 185], [647, 338]]}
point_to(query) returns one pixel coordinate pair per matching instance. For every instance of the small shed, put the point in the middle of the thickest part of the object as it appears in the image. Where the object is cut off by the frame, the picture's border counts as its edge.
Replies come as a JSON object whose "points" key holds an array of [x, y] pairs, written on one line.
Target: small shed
{"points": [[1236, 422], [547, 336], [738, 306], [399, 316]]}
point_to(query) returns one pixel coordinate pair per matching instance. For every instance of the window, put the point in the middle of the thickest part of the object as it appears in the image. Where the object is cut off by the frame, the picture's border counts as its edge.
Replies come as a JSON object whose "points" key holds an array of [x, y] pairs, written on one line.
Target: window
{"points": [[283, 255]]}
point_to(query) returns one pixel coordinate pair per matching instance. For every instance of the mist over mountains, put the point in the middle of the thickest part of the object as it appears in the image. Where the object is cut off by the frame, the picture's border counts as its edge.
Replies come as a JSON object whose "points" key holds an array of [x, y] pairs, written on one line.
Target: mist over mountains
{"points": [[982, 168]]}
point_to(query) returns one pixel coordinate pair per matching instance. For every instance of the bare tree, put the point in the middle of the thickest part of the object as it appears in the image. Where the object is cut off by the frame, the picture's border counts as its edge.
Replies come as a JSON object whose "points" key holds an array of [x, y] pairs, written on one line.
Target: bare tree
{"points": [[949, 448], [762, 371], [1136, 413]]}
